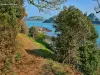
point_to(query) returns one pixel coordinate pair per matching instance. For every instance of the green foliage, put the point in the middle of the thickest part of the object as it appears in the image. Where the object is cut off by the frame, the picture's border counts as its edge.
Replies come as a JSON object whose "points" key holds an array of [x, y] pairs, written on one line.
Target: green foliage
{"points": [[47, 4], [55, 68], [75, 41], [44, 43], [72, 29], [41, 36], [9, 17], [89, 58], [17, 56], [33, 32], [43, 51], [9, 28], [7, 66]]}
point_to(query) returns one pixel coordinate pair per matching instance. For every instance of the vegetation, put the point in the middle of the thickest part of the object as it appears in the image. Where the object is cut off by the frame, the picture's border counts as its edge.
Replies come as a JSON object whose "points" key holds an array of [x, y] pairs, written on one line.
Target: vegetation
{"points": [[43, 51], [74, 45], [89, 59], [47, 4], [34, 32], [9, 28], [75, 41], [24, 29], [50, 20], [10, 17]]}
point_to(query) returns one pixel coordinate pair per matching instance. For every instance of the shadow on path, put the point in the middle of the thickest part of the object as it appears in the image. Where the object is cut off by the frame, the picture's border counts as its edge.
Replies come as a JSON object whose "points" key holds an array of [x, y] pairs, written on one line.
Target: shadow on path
{"points": [[42, 53]]}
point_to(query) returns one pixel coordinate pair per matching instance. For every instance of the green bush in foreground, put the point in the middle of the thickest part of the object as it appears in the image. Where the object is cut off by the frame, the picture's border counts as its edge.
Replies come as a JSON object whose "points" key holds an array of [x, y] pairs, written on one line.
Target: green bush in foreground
{"points": [[10, 16]]}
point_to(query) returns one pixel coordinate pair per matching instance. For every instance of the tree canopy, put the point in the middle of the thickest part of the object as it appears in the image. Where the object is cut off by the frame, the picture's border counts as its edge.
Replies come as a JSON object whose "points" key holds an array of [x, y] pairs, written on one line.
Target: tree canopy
{"points": [[75, 43], [47, 4]]}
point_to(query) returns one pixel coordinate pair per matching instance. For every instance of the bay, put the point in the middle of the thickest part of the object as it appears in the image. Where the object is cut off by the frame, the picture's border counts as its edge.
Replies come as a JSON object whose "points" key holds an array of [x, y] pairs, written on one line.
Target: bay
{"points": [[41, 24], [50, 27], [97, 27]]}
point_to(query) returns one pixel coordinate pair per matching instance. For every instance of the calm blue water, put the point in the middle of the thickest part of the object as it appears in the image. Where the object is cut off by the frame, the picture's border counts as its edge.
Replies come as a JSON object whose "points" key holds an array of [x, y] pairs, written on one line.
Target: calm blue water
{"points": [[49, 26], [41, 24], [97, 27]]}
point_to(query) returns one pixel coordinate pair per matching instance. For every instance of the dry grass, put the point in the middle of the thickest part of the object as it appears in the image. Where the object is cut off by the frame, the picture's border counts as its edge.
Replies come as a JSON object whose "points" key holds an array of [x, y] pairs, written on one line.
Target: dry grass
{"points": [[27, 43], [28, 64], [35, 65]]}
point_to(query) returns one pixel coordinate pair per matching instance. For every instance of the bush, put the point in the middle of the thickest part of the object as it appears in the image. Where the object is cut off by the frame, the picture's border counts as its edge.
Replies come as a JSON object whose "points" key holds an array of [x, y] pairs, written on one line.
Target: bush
{"points": [[9, 28], [8, 47], [54, 68]]}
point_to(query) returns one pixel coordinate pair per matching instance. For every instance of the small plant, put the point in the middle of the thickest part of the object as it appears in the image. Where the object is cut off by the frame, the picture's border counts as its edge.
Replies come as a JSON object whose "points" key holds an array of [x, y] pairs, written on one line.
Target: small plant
{"points": [[61, 73], [7, 65], [14, 73], [55, 68], [18, 56]]}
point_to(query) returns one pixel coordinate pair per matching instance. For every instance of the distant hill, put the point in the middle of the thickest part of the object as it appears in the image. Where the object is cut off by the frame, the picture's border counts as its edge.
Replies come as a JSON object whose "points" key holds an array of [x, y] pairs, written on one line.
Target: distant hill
{"points": [[35, 18], [94, 18], [50, 20]]}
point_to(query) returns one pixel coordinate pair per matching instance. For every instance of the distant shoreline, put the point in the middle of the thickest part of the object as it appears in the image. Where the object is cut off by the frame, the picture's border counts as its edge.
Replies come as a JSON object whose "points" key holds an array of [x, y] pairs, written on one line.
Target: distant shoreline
{"points": [[97, 24]]}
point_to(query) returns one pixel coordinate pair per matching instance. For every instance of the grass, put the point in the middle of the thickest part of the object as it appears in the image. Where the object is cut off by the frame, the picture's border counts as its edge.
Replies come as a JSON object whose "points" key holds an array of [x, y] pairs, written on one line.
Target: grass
{"points": [[39, 48], [43, 51], [55, 67]]}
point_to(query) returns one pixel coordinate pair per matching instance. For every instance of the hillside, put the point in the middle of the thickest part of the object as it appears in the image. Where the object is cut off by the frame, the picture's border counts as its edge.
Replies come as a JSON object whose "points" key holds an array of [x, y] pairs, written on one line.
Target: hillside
{"points": [[94, 18], [50, 20], [33, 64], [34, 18]]}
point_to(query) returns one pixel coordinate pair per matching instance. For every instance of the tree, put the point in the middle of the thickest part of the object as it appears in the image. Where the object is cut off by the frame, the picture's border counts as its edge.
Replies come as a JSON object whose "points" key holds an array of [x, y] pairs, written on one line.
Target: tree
{"points": [[97, 8], [33, 31], [74, 30], [47, 4], [11, 12]]}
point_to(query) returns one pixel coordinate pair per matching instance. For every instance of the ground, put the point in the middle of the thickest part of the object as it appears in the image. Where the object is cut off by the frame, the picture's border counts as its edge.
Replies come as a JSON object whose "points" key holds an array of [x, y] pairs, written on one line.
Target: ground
{"points": [[36, 60]]}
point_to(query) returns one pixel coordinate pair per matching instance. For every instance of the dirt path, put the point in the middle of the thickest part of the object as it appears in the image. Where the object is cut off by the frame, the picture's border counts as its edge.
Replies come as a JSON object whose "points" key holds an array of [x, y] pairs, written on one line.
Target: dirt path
{"points": [[27, 43], [33, 65], [29, 64]]}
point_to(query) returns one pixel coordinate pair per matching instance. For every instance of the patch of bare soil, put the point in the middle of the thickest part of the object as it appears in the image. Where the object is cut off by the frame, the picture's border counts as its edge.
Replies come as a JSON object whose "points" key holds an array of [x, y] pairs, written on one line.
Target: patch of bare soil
{"points": [[28, 64], [34, 65]]}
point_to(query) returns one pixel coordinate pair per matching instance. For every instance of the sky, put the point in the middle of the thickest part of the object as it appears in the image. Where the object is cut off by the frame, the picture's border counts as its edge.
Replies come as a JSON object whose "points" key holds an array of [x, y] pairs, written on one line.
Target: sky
{"points": [[83, 5]]}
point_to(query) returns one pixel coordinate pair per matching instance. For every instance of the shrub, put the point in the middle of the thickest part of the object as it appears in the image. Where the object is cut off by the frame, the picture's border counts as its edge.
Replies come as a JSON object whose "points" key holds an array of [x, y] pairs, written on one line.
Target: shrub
{"points": [[9, 28]]}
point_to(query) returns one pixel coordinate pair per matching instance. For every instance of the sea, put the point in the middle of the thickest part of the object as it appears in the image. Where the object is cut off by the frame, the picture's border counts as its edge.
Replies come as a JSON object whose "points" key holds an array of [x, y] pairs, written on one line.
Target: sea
{"points": [[50, 27]]}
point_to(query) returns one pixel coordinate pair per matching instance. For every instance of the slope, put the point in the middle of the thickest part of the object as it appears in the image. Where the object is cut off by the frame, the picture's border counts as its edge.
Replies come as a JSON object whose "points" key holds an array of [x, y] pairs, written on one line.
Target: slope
{"points": [[34, 60]]}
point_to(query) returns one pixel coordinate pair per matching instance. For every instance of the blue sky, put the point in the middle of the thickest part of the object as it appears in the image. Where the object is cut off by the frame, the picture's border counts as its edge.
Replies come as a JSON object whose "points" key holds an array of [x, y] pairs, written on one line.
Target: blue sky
{"points": [[83, 5]]}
